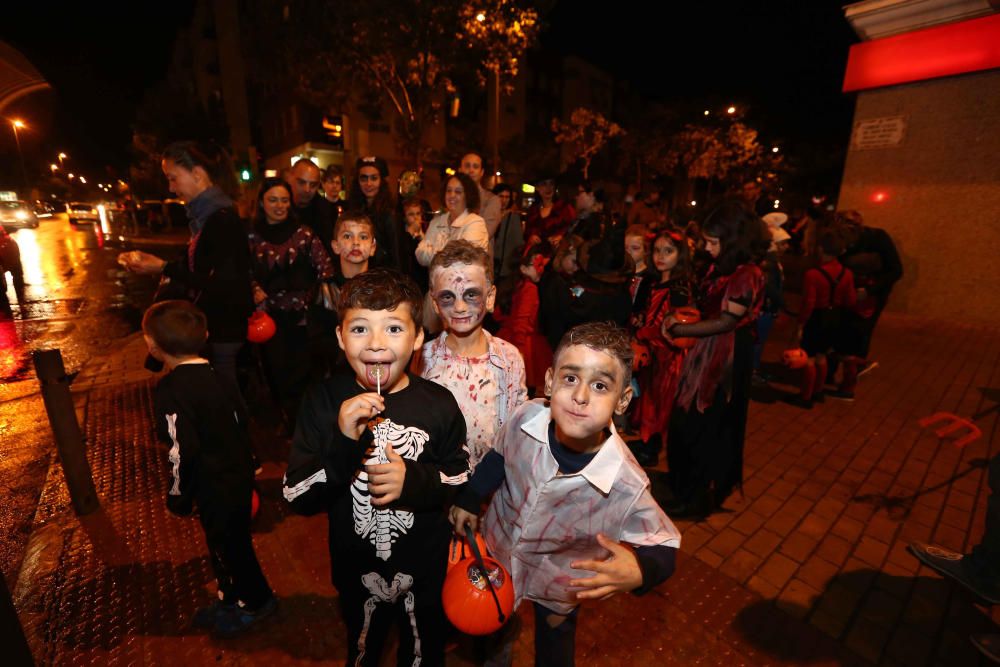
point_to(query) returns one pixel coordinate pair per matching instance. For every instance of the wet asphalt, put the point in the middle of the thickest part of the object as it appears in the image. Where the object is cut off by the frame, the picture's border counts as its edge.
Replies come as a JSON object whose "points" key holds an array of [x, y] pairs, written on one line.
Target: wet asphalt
{"points": [[78, 300]]}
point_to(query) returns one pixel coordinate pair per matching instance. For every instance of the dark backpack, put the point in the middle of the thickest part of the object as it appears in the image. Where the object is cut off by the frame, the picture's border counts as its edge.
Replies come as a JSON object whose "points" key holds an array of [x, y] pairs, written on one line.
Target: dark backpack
{"points": [[833, 317]]}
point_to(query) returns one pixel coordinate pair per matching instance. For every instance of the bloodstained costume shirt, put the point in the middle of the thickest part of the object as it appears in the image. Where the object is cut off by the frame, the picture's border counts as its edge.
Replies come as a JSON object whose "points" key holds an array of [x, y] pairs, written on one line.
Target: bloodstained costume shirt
{"points": [[540, 520], [709, 364], [488, 388]]}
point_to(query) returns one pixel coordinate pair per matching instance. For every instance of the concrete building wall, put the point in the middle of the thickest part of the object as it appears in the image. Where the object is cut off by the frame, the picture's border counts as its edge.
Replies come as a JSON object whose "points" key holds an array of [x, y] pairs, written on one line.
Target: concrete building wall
{"points": [[940, 192]]}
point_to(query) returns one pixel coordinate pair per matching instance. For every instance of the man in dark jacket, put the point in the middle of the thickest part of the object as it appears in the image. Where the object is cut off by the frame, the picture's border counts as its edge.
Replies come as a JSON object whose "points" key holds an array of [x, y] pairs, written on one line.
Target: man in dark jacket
{"points": [[872, 256], [313, 210]]}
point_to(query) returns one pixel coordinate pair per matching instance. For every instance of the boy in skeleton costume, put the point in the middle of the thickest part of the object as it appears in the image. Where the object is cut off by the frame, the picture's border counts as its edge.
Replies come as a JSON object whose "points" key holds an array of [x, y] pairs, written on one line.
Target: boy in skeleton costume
{"points": [[382, 451]]}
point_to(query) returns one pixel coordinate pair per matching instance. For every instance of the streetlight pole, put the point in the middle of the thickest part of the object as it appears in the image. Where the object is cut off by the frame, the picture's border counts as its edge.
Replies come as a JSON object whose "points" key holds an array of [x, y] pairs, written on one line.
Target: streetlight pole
{"points": [[496, 123], [17, 124]]}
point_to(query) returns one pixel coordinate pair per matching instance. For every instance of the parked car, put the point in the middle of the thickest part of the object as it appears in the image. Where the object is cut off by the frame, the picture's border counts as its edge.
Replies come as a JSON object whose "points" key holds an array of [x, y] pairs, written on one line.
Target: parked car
{"points": [[82, 212], [17, 215]]}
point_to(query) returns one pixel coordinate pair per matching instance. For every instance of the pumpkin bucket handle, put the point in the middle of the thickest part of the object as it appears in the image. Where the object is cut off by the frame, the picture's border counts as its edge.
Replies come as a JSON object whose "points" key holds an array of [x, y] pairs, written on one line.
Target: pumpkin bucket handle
{"points": [[486, 573]]}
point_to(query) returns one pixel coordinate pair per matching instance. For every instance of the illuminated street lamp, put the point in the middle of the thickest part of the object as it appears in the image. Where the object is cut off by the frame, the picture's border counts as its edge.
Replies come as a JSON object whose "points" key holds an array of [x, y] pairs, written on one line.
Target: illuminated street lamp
{"points": [[61, 156], [774, 149], [71, 176], [18, 124], [83, 180], [54, 167], [731, 110]]}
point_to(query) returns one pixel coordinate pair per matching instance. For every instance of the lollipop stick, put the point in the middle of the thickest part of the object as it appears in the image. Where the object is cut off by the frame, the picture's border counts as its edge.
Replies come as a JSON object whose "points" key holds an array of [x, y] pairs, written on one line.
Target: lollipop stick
{"points": [[378, 379]]}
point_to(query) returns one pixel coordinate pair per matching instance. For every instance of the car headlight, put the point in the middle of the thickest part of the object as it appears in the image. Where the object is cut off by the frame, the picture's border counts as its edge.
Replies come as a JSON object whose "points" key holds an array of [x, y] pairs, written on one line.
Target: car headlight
{"points": [[21, 215]]}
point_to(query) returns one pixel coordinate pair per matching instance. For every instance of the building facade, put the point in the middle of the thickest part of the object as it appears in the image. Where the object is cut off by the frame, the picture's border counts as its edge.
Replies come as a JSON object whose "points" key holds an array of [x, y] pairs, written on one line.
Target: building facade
{"points": [[924, 159]]}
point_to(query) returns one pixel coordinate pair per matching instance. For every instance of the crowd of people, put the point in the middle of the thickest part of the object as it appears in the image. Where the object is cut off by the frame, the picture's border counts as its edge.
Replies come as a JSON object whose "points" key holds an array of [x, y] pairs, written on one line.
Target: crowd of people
{"points": [[429, 366]]}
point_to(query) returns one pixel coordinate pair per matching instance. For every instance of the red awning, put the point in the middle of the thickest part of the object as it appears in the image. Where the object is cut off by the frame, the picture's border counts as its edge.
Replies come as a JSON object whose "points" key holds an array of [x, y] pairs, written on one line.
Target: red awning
{"points": [[955, 48]]}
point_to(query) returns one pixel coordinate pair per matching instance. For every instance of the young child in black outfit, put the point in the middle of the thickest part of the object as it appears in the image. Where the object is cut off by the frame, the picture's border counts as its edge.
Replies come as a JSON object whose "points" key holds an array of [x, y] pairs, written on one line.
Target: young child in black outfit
{"points": [[211, 468], [382, 451]]}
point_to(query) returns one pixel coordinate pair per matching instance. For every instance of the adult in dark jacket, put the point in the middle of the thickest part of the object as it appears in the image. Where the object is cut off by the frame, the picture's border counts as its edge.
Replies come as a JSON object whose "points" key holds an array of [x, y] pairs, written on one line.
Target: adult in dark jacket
{"points": [[214, 273], [311, 208], [872, 256]]}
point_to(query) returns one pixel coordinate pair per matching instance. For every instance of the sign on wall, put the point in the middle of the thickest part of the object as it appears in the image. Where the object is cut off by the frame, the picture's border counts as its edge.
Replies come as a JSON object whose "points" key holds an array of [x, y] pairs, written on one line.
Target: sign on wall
{"points": [[872, 133]]}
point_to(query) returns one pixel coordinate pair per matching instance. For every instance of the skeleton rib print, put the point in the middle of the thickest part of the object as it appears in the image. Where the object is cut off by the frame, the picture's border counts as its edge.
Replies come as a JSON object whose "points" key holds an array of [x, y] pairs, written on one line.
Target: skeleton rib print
{"points": [[383, 526]]}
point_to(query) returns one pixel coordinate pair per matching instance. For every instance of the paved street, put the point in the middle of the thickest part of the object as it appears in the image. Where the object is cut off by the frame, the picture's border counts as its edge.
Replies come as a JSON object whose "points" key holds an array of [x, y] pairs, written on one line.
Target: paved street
{"points": [[807, 567], [77, 300]]}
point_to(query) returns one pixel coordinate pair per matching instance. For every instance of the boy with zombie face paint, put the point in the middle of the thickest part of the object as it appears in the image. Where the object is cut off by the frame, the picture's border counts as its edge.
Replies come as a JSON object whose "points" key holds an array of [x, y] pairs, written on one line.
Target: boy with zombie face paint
{"points": [[382, 451], [484, 373], [571, 516]]}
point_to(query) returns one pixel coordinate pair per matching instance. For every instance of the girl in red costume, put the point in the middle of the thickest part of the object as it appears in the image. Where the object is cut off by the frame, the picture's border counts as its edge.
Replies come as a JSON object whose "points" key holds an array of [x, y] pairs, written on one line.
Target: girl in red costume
{"points": [[520, 326], [658, 381], [705, 452]]}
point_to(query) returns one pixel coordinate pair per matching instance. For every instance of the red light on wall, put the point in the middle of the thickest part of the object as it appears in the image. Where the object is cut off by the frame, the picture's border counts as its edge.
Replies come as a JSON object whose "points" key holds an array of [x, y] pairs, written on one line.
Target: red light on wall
{"points": [[946, 50], [880, 196]]}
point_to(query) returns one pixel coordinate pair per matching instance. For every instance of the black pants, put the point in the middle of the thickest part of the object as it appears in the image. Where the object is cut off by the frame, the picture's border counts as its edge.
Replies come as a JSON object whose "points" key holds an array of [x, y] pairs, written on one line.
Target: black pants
{"points": [[286, 362], [324, 352], [985, 557], [705, 449], [232, 555], [371, 603], [554, 646]]}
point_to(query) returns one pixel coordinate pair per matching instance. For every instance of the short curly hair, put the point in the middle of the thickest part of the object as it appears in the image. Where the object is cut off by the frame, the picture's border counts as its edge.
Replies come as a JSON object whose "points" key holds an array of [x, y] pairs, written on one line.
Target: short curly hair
{"points": [[461, 251], [381, 289], [605, 337]]}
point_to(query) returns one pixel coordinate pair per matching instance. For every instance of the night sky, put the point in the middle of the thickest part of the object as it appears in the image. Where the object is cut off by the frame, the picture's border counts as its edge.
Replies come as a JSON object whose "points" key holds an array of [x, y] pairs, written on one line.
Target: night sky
{"points": [[781, 60]]}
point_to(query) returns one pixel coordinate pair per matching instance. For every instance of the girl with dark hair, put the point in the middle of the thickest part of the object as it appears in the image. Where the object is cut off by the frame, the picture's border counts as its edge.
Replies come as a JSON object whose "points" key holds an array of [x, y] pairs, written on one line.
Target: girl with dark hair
{"points": [[707, 427], [520, 324], [671, 258], [215, 271], [288, 261], [370, 193], [549, 217]]}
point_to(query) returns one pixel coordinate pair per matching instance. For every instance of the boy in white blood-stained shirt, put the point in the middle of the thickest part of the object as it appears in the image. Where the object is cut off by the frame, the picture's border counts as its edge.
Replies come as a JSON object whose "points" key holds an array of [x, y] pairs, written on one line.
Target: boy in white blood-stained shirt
{"points": [[484, 373], [571, 515]]}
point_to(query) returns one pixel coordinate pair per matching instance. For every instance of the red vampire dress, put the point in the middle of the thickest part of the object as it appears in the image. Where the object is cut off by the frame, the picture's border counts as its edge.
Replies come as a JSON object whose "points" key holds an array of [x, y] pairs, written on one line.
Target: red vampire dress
{"points": [[708, 424]]}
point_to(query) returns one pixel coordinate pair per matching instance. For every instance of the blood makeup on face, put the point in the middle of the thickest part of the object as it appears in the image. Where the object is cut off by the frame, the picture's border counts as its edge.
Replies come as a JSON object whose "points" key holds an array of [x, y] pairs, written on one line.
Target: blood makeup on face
{"points": [[461, 294]]}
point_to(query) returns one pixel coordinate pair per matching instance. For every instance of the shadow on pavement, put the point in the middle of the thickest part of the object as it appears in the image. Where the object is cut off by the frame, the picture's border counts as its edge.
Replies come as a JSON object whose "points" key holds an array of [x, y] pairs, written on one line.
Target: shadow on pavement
{"points": [[899, 507], [856, 613]]}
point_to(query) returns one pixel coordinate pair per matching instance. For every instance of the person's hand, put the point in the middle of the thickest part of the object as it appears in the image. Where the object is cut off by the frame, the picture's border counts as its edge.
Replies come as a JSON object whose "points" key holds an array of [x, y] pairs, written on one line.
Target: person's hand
{"points": [[142, 263], [618, 573], [385, 480], [460, 519], [668, 322], [355, 413], [259, 295]]}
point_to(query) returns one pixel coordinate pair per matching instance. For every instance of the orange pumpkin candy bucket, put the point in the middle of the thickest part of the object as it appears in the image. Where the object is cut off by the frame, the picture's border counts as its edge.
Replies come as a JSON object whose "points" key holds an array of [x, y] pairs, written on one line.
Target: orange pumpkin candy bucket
{"points": [[478, 593]]}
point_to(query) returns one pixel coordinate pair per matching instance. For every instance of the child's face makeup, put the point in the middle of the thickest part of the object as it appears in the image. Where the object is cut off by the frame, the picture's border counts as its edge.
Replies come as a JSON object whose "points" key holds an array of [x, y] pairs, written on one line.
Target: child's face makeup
{"points": [[712, 245], [585, 388], [635, 246], [380, 342], [664, 254], [354, 242], [462, 296]]}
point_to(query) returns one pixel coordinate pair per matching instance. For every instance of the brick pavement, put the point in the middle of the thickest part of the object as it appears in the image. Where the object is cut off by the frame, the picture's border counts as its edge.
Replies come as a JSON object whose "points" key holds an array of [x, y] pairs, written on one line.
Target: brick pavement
{"points": [[807, 567]]}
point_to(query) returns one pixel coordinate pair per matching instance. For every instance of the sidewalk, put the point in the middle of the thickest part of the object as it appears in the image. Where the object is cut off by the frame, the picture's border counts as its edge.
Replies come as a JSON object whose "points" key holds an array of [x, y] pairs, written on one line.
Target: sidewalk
{"points": [[808, 567]]}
